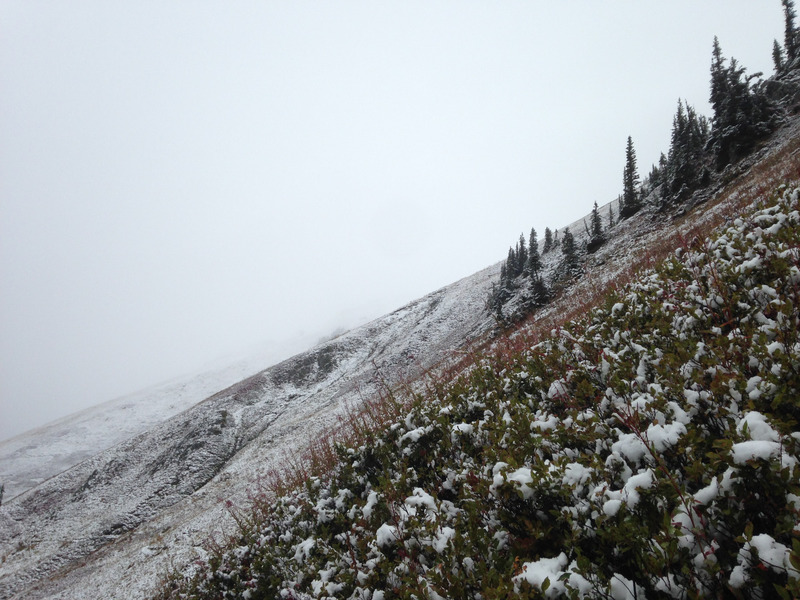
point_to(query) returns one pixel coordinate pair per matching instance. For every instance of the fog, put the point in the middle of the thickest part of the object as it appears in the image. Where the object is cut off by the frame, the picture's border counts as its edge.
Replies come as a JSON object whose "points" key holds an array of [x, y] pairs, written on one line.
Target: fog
{"points": [[184, 183]]}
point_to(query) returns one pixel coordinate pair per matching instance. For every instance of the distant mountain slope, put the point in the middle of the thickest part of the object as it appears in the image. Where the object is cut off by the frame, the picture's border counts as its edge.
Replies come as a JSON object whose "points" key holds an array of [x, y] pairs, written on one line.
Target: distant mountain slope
{"points": [[30, 458], [101, 529]]}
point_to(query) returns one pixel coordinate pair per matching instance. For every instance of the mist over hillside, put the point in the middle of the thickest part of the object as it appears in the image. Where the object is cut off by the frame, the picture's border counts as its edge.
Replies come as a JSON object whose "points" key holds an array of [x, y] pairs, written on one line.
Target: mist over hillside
{"points": [[609, 412]]}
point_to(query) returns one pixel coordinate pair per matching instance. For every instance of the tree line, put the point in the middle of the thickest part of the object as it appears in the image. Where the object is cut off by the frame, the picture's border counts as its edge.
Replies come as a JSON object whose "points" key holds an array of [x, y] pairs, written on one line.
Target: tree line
{"points": [[746, 109]]}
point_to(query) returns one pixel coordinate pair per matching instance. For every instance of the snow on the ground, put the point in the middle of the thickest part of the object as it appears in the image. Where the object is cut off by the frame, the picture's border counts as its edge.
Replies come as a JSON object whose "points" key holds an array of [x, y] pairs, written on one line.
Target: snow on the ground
{"points": [[32, 457], [112, 524]]}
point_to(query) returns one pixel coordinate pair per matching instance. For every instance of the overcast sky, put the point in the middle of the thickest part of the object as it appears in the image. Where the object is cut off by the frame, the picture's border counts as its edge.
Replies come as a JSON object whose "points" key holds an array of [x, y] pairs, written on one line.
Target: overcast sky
{"points": [[182, 182]]}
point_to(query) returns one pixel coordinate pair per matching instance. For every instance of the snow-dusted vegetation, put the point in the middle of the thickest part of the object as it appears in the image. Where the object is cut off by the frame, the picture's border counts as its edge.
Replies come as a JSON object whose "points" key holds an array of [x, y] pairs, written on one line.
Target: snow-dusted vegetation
{"points": [[649, 449]]}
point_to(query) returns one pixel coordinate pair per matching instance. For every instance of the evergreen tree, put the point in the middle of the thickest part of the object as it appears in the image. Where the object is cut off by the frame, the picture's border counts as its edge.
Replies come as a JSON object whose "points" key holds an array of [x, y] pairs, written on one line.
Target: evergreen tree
{"points": [[597, 223], [685, 166], [654, 178], [662, 160], [631, 201], [719, 80], [548, 240], [597, 236], [534, 260], [610, 216], [742, 112], [791, 40], [570, 252], [511, 264], [522, 254], [777, 57], [556, 243], [540, 293]]}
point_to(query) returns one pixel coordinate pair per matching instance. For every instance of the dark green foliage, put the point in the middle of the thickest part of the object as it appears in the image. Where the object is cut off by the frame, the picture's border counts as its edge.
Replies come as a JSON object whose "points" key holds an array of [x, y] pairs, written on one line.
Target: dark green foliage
{"points": [[778, 59], [655, 178], [791, 39], [520, 277], [570, 265], [540, 292], [631, 199], [534, 259], [515, 262], [522, 255], [597, 236], [743, 114], [548, 240], [685, 169]]}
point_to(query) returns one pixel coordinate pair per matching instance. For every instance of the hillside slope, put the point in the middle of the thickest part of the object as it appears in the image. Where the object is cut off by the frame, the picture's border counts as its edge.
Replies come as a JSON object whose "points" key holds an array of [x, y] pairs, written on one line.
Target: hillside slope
{"points": [[30, 458], [649, 449], [108, 526]]}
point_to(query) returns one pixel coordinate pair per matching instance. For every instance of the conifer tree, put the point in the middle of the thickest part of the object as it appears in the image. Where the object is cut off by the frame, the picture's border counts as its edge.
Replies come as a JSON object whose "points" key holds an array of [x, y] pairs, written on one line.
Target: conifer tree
{"points": [[522, 254], [511, 264], [791, 41], [777, 57], [662, 160], [631, 202], [597, 224], [570, 252], [610, 216], [548, 240], [654, 178], [570, 265], [534, 260], [742, 112], [540, 293], [597, 236], [685, 166], [719, 80]]}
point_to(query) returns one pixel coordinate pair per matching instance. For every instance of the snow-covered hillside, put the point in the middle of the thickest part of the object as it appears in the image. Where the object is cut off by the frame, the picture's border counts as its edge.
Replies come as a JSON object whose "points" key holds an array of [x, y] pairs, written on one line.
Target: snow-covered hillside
{"points": [[110, 525], [30, 458]]}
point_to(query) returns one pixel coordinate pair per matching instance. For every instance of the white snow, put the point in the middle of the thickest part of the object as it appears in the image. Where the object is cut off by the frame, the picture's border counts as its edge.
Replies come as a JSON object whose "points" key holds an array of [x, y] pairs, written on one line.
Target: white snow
{"points": [[545, 568], [372, 500], [443, 539], [422, 498], [521, 476], [303, 550], [664, 437], [386, 535], [611, 507], [630, 446], [708, 493], [758, 428], [153, 484], [754, 449]]}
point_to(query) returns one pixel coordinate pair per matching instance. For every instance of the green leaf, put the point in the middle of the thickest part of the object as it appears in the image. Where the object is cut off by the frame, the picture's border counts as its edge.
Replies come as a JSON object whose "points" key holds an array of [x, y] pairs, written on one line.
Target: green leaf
{"points": [[782, 592]]}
